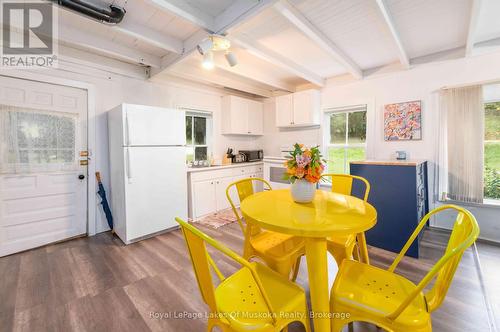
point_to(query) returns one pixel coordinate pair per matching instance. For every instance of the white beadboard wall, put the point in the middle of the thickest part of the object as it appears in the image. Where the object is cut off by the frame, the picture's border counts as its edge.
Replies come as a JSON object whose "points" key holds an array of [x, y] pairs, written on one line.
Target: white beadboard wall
{"points": [[420, 83]]}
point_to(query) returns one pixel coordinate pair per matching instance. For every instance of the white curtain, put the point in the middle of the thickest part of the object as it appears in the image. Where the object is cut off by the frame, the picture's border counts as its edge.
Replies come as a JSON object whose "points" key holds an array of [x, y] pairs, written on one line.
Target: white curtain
{"points": [[462, 117], [36, 141]]}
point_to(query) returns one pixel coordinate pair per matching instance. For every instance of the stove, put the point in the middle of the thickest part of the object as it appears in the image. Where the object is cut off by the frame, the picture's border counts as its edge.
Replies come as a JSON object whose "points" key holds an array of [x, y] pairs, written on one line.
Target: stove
{"points": [[274, 170]]}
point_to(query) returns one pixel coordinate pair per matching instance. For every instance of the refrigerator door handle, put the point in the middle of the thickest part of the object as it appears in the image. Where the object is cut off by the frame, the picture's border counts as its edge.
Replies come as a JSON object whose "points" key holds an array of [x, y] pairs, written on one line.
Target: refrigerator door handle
{"points": [[127, 130], [129, 169]]}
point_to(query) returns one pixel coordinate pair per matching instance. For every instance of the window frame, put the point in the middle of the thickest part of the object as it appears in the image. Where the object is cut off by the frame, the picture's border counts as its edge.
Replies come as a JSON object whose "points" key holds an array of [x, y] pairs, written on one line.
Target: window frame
{"points": [[208, 135], [346, 145]]}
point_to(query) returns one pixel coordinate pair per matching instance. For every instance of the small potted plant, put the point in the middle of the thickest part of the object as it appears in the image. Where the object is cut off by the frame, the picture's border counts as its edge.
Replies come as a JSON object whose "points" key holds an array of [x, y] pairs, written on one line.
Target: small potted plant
{"points": [[304, 168]]}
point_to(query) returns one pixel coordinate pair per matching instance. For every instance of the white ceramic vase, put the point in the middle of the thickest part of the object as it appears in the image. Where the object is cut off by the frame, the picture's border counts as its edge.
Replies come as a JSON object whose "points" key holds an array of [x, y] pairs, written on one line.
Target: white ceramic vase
{"points": [[303, 191]]}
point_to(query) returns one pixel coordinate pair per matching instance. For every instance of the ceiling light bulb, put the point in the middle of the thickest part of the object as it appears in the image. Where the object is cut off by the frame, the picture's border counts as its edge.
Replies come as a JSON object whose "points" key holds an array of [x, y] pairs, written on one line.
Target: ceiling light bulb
{"points": [[208, 60], [220, 43], [231, 59]]}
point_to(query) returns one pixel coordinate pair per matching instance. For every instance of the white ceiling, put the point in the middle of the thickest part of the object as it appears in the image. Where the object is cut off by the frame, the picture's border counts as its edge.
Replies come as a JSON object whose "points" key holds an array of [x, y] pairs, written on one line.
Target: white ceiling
{"points": [[430, 26], [143, 12], [488, 27], [212, 7], [356, 26], [288, 43], [273, 31]]}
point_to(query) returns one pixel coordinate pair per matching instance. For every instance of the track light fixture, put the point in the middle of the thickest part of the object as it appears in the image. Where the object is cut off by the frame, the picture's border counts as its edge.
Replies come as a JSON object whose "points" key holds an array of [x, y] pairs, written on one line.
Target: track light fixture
{"points": [[205, 46], [231, 58], [215, 43]]}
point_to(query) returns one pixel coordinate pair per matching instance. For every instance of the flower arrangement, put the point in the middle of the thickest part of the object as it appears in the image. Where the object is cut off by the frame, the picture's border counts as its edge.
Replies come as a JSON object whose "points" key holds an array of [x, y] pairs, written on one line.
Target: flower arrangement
{"points": [[304, 163]]}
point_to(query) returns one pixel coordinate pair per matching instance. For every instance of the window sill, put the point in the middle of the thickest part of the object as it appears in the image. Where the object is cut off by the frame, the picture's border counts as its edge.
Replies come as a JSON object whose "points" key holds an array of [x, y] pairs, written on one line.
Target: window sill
{"points": [[490, 203]]}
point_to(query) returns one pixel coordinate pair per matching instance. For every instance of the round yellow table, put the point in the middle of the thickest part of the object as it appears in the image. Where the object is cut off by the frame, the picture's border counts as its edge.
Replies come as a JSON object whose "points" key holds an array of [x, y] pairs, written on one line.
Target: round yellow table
{"points": [[329, 214]]}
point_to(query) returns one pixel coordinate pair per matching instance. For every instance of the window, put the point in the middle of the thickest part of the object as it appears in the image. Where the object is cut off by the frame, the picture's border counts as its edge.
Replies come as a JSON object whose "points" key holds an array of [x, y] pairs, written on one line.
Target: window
{"points": [[36, 140], [346, 137], [198, 131], [492, 150]]}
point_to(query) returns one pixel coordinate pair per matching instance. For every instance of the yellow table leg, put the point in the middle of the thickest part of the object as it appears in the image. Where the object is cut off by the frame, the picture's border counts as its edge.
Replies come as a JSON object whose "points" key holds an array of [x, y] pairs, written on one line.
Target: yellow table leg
{"points": [[318, 282], [363, 249]]}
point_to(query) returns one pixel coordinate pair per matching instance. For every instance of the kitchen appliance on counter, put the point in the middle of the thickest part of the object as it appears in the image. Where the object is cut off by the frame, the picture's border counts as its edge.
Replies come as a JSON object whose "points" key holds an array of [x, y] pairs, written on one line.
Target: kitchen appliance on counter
{"points": [[239, 158], [148, 169], [401, 155], [253, 155]]}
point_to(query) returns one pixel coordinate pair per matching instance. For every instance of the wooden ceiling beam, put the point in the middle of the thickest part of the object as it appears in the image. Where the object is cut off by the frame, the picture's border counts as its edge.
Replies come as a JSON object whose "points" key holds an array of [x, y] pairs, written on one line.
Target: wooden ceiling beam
{"points": [[473, 21], [403, 57], [277, 59]]}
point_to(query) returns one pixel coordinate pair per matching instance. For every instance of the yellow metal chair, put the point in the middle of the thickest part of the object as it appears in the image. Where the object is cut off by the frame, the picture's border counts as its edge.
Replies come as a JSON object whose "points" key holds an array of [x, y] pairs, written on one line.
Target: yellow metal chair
{"points": [[345, 247], [390, 301], [281, 252], [254, 298]]}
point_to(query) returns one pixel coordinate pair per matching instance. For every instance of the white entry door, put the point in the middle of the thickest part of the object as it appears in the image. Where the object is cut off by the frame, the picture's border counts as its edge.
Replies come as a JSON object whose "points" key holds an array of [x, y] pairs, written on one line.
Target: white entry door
{"points": [[43, 187]]}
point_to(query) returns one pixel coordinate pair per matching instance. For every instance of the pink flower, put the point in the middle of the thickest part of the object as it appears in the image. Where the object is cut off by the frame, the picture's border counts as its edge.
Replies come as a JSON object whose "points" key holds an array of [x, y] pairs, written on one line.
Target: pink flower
{"points": [[302, 160]]}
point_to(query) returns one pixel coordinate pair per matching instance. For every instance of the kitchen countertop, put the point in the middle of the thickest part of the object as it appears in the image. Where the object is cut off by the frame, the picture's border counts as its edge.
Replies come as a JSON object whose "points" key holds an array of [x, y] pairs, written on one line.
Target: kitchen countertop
{"points": [[390, 162], [213, 168], [274, 158]]}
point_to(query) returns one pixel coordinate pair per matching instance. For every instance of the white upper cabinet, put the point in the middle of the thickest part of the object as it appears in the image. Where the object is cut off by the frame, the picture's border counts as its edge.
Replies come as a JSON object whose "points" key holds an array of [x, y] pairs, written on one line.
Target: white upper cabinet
{"points": [[255, 117], [306, 107], [242, 116], [298, 109], [284, 110]]}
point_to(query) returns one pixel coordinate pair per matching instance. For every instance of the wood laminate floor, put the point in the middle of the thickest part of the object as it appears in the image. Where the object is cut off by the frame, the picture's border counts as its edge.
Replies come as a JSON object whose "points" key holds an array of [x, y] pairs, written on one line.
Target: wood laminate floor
{"points": [[98, 284]]}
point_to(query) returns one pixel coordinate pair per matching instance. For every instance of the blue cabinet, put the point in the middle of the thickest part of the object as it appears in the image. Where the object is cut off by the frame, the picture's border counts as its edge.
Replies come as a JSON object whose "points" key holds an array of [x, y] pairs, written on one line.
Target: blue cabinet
{"points": [[399, 194]]}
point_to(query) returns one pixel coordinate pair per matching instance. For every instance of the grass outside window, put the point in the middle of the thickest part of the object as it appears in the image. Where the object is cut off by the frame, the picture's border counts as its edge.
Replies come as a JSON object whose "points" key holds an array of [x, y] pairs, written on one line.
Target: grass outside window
{"points": [[347, 139], [492, 151]]}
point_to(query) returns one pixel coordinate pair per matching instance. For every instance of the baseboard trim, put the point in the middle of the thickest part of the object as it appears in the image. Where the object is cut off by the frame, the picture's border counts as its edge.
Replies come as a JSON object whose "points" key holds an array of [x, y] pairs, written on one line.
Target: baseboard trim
{"points": [[479, 239]]}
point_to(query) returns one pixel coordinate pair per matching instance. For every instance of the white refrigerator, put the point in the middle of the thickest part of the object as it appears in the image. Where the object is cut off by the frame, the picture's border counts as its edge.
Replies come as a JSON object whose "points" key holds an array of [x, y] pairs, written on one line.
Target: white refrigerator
{"points": [[148, 169]]}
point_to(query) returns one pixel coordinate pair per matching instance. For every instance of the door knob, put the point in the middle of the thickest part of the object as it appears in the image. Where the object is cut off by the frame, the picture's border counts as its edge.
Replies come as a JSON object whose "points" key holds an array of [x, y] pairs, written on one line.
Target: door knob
{"points": [[81, 177]]}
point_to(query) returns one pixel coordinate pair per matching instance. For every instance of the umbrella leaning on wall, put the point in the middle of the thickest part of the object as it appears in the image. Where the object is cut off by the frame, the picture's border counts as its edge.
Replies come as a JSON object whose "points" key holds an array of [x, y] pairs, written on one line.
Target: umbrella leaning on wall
{"points": [[104, 201]]}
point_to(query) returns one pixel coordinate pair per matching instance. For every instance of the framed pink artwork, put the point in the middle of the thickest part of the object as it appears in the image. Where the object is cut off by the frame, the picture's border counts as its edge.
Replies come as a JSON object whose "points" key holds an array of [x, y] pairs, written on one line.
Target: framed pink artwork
{"points": [[403, 121]]}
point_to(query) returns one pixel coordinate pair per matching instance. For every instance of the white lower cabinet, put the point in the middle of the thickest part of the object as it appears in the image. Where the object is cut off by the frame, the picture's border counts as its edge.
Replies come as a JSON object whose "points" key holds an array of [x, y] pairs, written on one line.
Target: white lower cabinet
{"points": [[220, 193], [207, 188], [257, 185], [205, 198]]}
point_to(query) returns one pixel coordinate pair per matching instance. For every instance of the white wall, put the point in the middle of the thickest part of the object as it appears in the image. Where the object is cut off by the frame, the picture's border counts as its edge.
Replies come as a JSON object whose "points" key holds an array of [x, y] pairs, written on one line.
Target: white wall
{"points": [[120, 89], [419, 83]]}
